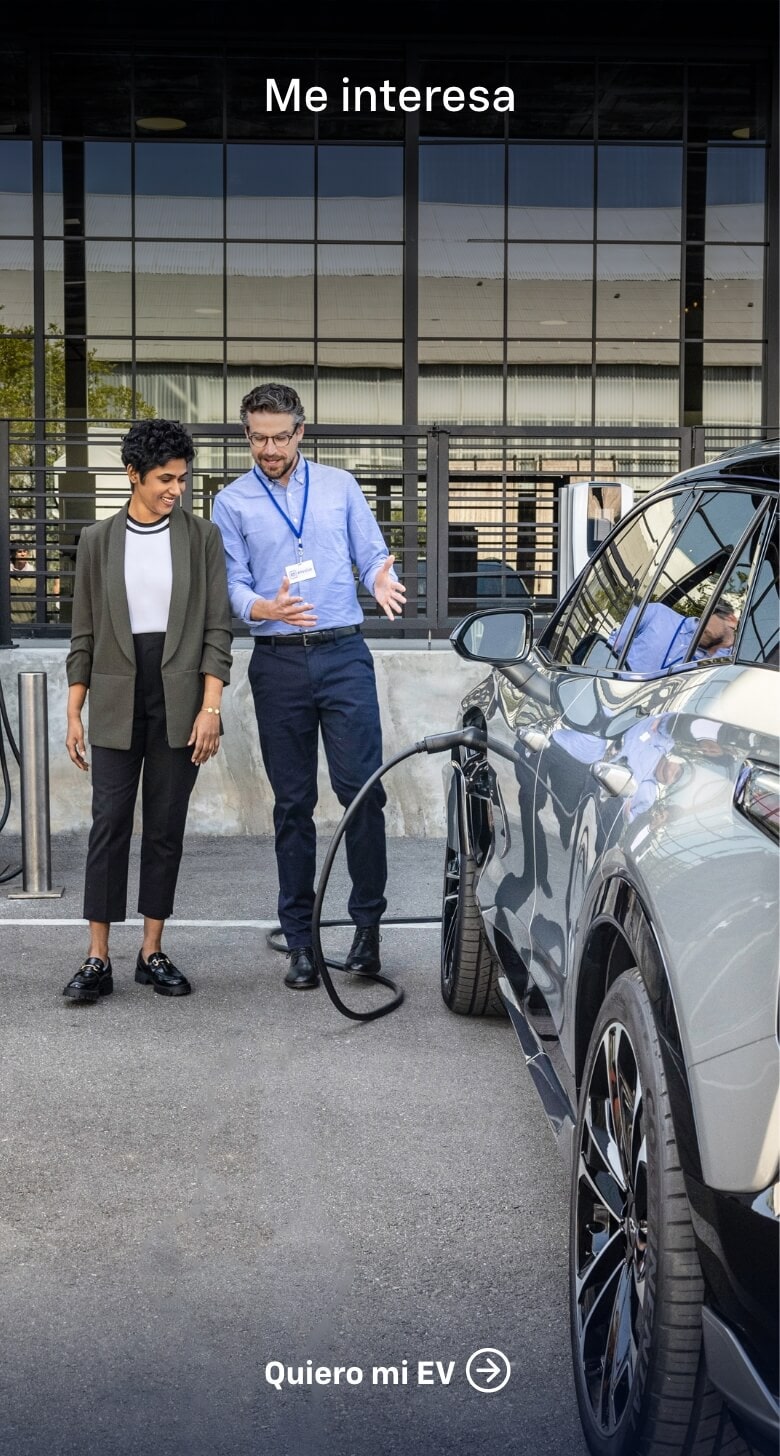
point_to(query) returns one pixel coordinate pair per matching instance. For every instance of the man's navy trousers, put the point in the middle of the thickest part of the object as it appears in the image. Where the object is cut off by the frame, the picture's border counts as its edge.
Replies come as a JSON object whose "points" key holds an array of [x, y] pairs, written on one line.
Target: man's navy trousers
{"points": [[299, 690]]}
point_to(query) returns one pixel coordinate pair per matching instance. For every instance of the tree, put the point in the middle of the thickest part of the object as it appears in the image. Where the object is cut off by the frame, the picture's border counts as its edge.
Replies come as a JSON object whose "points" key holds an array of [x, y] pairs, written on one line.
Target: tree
{"points": [[110, 404]]}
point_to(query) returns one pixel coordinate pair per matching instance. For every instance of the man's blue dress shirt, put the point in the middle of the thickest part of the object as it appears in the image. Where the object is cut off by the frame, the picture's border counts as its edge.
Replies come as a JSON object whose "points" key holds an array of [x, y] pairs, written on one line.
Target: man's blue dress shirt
{"points": [[338, 529], [661, 641]]}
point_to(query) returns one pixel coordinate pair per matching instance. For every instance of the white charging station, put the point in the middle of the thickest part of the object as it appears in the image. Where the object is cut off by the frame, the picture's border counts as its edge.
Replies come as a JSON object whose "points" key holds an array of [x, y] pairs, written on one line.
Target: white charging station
{"points": [[588, 510]]}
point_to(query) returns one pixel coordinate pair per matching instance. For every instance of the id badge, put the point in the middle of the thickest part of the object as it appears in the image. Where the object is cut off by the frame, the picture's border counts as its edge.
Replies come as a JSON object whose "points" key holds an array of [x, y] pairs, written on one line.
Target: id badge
{"points": [[300, 571]]}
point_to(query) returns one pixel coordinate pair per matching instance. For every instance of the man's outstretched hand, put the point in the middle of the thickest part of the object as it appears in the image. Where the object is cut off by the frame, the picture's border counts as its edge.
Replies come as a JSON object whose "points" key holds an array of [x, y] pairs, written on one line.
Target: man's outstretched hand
{"points": [[283, 608], [390, 594]]}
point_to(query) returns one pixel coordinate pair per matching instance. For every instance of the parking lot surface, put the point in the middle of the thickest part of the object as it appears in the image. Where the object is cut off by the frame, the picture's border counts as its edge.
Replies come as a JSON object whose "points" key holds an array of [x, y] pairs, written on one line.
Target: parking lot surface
{"points": [[194, 1188]]}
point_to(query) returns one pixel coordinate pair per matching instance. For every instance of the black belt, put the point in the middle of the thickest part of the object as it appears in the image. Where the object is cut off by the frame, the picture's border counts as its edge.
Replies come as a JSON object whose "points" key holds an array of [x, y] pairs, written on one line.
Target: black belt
{"points": [[307, 639]]}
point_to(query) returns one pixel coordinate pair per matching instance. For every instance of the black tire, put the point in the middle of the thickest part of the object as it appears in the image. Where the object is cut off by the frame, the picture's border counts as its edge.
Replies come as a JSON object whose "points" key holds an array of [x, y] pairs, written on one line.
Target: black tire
{"points": [[469, 970], [636, 1287]]}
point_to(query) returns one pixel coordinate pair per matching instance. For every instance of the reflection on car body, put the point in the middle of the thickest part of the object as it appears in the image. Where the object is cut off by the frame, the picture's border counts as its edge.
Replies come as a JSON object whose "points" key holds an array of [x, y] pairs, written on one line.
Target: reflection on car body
{"points": [[626, 917]]}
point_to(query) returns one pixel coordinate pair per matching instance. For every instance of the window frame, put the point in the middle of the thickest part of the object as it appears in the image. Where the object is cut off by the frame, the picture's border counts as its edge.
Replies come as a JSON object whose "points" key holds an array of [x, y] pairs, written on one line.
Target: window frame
{"points": [[697, 488], [702, 488], [569, 603], [770, 526]]}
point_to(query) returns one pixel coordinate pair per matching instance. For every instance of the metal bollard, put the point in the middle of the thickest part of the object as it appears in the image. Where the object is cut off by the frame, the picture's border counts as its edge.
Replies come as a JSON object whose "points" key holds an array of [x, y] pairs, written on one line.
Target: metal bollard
{"points": [[34, 772]]}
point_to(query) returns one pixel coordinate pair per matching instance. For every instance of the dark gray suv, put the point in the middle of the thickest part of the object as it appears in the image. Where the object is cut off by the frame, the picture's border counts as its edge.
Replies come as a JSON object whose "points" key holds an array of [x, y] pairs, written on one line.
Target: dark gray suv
{"points": [[612, 883]]}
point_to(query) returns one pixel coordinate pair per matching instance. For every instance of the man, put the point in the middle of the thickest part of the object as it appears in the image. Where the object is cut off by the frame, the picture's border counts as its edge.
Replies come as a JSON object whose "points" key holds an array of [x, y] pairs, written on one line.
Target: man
{"points": [[664, 636], [290, 526], [23, 585]]}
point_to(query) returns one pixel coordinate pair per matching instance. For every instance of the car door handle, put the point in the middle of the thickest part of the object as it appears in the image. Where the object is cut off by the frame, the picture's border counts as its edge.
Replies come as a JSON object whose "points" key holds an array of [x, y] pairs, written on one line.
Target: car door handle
{"points": [[534, 739], [614, 777]]}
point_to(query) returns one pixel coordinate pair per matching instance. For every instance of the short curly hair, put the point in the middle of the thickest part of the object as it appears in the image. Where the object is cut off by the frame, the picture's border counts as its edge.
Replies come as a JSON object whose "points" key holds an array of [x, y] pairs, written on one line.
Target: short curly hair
{"points": [[149, 444]]}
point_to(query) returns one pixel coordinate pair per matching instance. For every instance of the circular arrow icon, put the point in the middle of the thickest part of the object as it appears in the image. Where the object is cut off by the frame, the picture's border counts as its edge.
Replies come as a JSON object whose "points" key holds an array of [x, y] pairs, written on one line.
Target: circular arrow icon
{"points": [[488, 1370]]}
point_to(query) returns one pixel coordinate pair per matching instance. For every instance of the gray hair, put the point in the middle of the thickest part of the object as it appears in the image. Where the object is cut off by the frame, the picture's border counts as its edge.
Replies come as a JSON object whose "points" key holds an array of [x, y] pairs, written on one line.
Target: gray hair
{"points": [[272, 399]]}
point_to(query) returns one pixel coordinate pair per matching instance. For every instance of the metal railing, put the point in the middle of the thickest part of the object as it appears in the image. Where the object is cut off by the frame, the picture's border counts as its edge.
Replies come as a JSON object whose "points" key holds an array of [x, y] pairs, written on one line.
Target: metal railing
{"points": [[471, 513]]}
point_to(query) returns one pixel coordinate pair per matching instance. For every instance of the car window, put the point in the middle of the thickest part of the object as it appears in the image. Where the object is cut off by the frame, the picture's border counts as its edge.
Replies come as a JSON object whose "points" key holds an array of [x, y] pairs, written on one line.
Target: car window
{"points": [[615, 582], [760, 637], [702, 551], [693, 610]]}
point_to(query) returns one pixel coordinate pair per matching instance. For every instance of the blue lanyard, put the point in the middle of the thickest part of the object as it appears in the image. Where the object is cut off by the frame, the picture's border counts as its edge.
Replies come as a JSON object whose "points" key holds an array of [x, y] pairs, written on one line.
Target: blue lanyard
{"points": [[665, 662], [297, 532]]}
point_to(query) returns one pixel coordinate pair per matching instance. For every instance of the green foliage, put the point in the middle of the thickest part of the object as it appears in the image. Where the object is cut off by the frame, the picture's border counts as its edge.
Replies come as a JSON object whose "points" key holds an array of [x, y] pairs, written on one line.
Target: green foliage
{"points": [[110, 403]]}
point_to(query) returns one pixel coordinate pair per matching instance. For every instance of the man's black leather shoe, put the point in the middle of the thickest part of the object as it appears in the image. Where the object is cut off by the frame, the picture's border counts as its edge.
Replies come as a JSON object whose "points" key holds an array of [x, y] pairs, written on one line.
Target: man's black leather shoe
{"points": [[92, 980], [160, 972], [302, 974], [363, 958]]}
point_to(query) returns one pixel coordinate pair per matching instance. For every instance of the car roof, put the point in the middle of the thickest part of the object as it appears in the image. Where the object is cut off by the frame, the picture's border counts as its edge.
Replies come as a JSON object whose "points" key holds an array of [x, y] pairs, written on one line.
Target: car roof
{"points": [[758, 460]]}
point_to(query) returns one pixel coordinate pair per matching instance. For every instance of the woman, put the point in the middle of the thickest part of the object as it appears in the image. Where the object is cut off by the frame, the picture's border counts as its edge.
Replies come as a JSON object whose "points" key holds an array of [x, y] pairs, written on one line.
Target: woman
{"points": [[151, 645]]}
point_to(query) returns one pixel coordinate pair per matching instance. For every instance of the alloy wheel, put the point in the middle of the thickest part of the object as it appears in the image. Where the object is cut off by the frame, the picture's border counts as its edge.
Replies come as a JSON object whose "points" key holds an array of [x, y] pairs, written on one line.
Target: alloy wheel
{"points": [[611, 1228]]}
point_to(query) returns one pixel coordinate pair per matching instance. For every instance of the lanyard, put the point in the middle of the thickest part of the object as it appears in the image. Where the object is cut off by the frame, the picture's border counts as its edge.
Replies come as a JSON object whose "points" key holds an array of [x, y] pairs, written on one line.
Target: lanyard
{"points": [[297, 531], [665, 662]]}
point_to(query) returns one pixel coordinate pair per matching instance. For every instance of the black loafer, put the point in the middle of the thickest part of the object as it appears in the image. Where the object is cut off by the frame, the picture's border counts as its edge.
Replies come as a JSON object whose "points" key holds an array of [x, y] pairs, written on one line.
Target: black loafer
{"points": [[363, 958], [302, 974], [160, 972], [92, 980]]}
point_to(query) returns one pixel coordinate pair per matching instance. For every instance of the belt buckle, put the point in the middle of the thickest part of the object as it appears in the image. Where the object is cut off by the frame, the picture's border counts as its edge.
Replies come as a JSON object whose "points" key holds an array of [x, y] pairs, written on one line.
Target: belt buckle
{"points": [[305, 638]]}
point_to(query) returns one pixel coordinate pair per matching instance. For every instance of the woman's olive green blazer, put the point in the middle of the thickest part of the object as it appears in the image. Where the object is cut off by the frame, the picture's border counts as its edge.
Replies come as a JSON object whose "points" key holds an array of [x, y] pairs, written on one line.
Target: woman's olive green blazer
{"points": [[102, 655]]}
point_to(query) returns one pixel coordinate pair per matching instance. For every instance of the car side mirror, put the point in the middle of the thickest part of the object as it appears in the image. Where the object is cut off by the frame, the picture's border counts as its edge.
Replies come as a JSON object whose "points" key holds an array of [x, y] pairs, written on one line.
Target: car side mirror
{"points": [[499, 635]]}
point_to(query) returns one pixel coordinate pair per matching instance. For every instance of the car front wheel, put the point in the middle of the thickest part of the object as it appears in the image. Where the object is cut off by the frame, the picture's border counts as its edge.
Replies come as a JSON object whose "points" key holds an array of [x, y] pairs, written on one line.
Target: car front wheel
{"points": [[635, 1281], [469, 970]]}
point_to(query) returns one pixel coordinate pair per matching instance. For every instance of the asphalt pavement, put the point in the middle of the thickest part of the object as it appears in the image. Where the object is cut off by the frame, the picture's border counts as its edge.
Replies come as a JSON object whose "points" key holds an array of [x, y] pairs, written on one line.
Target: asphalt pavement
{"points": [[201, 1195]]}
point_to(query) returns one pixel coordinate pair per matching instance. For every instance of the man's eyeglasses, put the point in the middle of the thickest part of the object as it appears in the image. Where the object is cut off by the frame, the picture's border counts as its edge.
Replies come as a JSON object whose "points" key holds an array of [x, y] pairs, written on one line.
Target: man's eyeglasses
{"points": [[280, 440]]}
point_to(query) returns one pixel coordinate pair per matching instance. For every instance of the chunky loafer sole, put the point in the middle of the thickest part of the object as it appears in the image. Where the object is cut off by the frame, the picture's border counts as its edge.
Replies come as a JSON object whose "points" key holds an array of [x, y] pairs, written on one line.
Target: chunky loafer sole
{"points": [[146, 978], [92, 980], [81, 993], [160, 972]]}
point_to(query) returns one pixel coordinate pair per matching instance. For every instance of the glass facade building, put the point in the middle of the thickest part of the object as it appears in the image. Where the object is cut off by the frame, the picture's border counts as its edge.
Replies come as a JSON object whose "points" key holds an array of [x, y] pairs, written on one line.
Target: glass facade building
{"points": [[601, 257]]}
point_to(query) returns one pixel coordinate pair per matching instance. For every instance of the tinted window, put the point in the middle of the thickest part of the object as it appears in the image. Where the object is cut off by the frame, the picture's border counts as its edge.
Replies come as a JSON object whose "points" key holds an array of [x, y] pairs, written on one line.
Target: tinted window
{"points": [[89, 95], [702, 550], [270, 191], [550, 192], [760, 635], [192, 89], [639, 192], [178, 187], [616, 581], [691, 586], [552, 100], [360, 193], [639, 101], [735, 190], [16, 186]]}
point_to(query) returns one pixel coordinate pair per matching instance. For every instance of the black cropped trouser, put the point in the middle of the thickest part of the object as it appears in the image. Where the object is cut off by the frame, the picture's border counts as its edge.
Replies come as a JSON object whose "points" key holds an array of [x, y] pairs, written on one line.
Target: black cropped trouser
{"points": [[168, 779]]}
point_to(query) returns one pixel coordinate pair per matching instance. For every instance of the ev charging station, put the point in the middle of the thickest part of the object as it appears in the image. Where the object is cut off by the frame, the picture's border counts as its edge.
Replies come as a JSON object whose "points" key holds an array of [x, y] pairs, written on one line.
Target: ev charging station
{"points": [[588, 510]]}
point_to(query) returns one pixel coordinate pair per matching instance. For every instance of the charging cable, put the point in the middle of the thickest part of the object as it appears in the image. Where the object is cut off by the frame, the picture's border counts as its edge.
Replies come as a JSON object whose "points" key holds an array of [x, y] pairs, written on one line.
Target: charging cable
{"points": [[474, 738], [7, 873]]}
